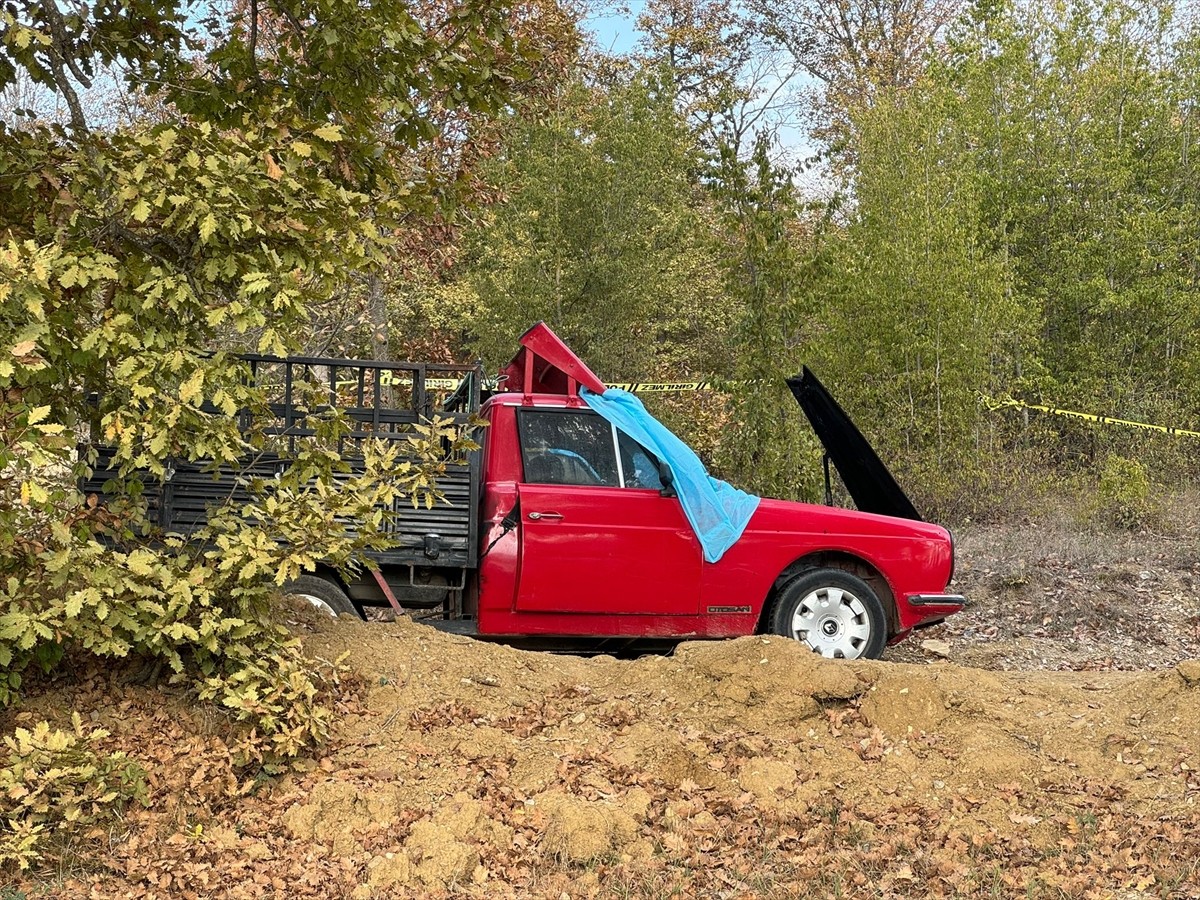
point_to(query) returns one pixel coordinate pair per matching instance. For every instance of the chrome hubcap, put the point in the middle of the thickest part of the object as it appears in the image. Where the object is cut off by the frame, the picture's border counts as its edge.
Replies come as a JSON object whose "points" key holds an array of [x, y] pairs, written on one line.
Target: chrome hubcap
{"points": [[318, 603], [833, 622]]}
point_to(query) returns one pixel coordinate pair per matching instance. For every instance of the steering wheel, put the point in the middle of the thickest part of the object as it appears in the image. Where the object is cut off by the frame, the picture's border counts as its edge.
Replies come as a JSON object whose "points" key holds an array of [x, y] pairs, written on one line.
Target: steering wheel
{"points": [[545, 467]]}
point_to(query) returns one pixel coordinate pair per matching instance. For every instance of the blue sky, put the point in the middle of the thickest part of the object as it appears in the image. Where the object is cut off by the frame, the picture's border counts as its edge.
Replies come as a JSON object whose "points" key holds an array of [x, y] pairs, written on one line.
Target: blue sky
{"points": [[614, 29], [613, 26]]}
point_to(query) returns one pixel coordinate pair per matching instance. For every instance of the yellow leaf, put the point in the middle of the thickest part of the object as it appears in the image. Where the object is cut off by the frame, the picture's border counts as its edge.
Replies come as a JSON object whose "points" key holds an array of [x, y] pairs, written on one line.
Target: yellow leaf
{"points": [[330, 133], [302, 149], [24, 348], [191, 388], [208, 227], [38, 414], [140, 211], [140, 562]]}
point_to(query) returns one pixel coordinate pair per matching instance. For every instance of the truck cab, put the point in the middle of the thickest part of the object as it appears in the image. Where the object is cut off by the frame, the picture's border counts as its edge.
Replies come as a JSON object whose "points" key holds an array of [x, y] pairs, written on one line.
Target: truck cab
{"points": [[588, 538]]}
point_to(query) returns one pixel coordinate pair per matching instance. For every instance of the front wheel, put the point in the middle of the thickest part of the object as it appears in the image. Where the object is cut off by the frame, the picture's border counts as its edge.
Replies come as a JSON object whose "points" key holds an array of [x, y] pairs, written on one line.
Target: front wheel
{"points": [[835, 613]]}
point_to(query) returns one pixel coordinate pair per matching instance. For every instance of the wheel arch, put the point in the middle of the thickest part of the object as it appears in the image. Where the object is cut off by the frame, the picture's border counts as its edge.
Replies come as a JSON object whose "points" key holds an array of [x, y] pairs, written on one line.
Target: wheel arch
{"points": [[835, 559]]}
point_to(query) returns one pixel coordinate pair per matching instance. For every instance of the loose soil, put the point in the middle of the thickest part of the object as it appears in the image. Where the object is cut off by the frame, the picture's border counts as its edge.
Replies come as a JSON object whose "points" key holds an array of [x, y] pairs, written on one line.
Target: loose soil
{"points": [[1027, 764]]}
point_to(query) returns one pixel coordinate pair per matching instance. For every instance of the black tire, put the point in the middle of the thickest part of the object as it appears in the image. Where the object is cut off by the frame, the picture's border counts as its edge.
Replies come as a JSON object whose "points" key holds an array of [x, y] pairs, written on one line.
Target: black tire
{"points": [[846, 618], [321, 591]]}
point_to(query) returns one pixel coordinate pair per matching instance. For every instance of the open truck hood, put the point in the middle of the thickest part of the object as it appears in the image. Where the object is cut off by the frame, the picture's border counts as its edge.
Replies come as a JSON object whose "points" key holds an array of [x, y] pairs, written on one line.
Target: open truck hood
{"points": [[870, 484]]}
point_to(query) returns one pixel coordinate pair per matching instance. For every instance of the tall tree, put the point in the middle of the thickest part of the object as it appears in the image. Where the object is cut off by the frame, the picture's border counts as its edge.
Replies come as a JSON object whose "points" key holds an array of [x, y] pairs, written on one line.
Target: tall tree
{"points": [[129, 252], [603, 232], [854, 50], [766, 272], [728, 78], [919, 313]]}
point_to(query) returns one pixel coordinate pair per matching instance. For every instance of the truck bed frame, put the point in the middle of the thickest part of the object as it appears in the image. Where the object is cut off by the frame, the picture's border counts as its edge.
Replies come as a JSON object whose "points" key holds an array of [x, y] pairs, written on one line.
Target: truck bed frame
{"points": [[435, 548]]}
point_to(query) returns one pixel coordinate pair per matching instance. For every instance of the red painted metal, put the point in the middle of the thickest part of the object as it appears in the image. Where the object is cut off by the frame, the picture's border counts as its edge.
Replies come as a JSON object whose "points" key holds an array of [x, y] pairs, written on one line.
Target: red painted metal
{"points": [[545, 365], [387, 592], [623, 551], [623, 562]]}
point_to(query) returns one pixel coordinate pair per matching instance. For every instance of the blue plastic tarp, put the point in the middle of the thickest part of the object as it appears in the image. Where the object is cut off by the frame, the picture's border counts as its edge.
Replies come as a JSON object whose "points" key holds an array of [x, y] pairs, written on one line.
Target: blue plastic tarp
{"points": [[718, 512]]}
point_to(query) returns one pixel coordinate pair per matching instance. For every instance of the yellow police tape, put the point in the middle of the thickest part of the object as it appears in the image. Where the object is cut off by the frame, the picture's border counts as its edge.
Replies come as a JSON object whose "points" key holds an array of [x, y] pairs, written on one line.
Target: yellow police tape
{"points": [[388, 378], [662, 387], [994, 404], [667, 387]]}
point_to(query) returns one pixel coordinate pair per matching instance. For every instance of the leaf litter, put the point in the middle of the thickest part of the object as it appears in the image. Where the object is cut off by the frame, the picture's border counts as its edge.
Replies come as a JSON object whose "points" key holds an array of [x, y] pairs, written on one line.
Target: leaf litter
{"points": [[732, 769]]}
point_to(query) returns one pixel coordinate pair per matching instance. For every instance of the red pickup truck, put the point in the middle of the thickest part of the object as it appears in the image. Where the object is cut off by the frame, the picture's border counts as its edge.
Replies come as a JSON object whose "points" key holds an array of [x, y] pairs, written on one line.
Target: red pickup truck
{"points": [[563, 527]]}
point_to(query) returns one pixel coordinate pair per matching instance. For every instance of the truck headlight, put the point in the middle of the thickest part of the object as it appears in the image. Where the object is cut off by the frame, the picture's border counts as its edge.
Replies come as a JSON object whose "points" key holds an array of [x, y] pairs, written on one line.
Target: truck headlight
{"points": [[953, 556]]}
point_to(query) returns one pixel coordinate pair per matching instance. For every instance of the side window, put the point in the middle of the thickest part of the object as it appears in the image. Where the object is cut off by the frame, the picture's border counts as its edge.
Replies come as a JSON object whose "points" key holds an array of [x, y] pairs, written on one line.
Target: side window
{"points": [[567, 448], [637, 463]]}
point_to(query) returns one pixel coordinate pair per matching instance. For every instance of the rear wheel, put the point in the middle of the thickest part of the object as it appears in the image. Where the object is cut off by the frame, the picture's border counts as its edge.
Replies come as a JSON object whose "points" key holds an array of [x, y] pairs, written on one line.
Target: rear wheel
{"points": [[322, 593], [835, 613]]}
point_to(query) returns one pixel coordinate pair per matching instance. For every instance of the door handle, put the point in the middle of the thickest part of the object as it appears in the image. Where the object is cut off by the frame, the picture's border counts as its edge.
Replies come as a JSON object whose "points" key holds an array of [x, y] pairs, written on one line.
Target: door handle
{"points": [[544, 515]]}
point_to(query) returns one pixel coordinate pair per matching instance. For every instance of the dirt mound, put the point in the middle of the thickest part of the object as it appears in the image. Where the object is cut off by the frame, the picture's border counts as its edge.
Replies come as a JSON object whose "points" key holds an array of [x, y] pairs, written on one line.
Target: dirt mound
{"points": [[735, 768]]}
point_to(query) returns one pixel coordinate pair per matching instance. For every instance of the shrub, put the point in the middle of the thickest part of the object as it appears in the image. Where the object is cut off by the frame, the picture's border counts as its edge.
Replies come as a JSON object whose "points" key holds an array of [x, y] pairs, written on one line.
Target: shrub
{"points": [[280, 697], [1123, 495], [54, 781]]}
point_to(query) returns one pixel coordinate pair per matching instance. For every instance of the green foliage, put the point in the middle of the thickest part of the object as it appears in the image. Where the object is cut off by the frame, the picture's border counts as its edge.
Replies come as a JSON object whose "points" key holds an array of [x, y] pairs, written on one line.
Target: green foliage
{"points": [[919, 314], [137, 259], [281, 696], [82, 576], [604, 234], [1123, 494], [772, 454], [1020, 217], [54, 782], [1082, 114]]}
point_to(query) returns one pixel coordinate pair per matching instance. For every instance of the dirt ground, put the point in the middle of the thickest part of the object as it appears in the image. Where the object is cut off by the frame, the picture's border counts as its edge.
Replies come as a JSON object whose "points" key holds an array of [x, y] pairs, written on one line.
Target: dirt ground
{"points": [[1007, 753], [1052, 595]]}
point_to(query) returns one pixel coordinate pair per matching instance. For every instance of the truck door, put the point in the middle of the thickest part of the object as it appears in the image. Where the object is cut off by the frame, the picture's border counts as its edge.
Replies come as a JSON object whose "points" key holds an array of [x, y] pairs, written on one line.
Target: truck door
{"points": [[597, 536]]}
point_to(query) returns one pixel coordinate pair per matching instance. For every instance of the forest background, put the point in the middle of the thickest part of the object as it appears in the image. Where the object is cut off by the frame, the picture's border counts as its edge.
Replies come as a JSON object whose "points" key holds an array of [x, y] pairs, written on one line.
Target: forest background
{"points": [[991, 200], [995, 199]]}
